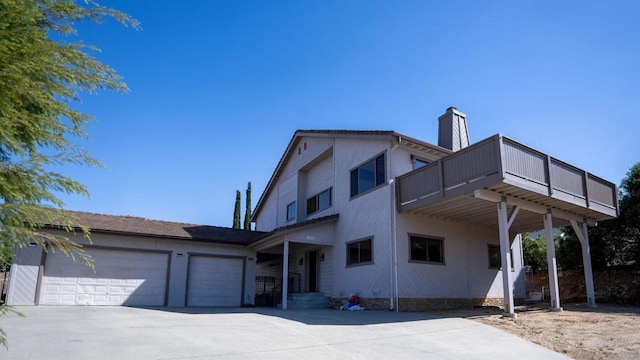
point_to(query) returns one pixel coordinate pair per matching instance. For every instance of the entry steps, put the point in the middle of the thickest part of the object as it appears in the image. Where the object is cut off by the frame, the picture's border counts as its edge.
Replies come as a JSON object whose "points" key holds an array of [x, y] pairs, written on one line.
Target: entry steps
{"points": [[309, 300]]}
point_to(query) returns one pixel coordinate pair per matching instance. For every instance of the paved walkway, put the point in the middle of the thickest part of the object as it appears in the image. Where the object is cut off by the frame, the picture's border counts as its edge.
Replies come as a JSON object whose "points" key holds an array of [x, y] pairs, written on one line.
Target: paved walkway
{"points": [[187, 333]]}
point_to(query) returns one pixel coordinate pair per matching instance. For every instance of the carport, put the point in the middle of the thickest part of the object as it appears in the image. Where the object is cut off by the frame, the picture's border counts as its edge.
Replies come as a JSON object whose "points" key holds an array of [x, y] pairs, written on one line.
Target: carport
{"points": [[500, 182]]}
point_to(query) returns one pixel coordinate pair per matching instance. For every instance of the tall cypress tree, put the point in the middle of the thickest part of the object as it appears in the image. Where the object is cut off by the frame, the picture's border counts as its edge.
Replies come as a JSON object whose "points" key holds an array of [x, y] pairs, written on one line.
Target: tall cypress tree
{"points": [[236, 211], [247, 210]]}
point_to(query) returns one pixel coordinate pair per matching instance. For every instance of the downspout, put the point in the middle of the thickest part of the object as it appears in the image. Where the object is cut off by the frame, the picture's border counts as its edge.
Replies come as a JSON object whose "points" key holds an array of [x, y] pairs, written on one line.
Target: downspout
{"points": [[395, 247], [393, 296]]}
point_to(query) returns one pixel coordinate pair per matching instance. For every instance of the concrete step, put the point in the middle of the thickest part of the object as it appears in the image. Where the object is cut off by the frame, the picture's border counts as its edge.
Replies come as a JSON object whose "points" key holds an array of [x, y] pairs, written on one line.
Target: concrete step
{"points": [[306, 296], [314, 300]]}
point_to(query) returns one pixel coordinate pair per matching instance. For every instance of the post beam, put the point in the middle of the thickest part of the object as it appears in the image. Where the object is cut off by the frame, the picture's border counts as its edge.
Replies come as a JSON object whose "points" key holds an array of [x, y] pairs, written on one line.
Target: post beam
{"points": [[505, 254], [583, 235], [552, 265], [512, 217], [493, 196], [285, 273]]}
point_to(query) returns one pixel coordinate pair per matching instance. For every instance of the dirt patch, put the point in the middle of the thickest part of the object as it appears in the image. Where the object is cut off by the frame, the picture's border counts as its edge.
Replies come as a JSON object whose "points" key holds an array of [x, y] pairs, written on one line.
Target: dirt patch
{"points": [[580, 332], [613, 286]]}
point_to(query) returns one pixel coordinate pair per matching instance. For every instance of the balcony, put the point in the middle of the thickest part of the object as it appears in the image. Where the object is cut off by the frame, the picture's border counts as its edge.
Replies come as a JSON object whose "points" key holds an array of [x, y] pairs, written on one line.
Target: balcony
{"points": [[465, 185]]}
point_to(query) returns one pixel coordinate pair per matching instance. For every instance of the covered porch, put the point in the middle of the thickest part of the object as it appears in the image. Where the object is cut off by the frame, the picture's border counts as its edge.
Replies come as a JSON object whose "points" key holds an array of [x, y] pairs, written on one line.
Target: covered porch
{"points": [[296, 256], [500, 182]]}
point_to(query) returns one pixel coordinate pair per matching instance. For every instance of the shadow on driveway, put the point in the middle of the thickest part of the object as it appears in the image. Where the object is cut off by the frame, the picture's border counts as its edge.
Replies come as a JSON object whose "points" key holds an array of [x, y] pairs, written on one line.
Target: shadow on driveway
{"points": [[311, 316]]}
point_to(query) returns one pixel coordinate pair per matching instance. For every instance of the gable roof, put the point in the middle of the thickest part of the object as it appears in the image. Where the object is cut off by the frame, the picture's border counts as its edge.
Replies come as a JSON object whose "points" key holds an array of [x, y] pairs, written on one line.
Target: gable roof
{"points": [[388, 135], [137, 226]]}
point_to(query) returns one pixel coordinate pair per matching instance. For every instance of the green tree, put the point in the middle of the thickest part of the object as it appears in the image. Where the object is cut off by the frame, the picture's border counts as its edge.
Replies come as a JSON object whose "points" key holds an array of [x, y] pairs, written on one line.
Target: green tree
{"points": [[247, 210], [6, 254], [568, 250], [614, 242], [630, 215], [43, 70], [534, 252], [236, 211]]}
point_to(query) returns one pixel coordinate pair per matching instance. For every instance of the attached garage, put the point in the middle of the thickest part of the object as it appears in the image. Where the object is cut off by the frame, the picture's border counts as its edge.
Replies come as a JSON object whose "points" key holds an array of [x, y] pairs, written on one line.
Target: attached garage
{"points": [[138, 262], [215, 281], [121, 277]]}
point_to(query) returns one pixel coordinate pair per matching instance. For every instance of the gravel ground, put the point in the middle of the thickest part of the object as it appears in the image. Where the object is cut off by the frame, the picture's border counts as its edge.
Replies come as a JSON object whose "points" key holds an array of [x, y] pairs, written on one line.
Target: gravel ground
{"points": [[581, 332]]}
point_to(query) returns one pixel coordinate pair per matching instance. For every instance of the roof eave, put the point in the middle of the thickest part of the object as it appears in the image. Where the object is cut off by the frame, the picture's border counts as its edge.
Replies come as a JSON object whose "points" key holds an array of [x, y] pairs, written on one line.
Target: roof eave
{"points": [[158, 236], [295, 227]]}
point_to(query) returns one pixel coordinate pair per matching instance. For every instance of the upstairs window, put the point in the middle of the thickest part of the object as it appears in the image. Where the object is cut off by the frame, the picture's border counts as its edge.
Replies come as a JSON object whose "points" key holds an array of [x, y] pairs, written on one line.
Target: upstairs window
{"points": [[319, 202], [368, 176], [359, 252], [418, 163], [425, 249], [291, 211]]}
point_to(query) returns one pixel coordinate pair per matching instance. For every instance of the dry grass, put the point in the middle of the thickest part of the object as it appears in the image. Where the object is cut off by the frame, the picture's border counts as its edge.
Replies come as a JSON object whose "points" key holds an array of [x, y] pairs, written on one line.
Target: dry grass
{"points": [[580, 332]]}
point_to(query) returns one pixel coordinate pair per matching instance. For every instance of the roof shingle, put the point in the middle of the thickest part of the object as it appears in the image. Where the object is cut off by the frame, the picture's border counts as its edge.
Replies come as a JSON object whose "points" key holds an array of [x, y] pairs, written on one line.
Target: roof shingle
{"points": [[132, 225]]}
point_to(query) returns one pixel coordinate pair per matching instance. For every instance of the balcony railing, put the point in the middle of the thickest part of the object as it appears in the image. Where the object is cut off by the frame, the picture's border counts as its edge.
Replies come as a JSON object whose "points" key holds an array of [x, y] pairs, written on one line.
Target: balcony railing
{"points": [[500, 160]]}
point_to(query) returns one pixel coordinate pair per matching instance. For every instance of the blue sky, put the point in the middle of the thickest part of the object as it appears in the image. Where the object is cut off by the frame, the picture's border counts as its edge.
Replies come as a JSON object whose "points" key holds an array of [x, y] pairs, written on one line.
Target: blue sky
{"points": [[219, 87]]}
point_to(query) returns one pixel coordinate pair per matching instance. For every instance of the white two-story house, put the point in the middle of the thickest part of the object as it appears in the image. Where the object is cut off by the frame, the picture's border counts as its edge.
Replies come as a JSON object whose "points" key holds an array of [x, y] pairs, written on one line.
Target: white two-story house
{"points": [[410, 225], [405, 224]]}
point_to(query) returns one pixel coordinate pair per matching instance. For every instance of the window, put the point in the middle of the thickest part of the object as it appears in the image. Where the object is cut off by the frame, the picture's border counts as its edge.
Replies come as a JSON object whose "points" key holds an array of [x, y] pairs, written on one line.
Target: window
{"points": [[291, 211], [368, 176], [495, 258], [418, 163], [319, 202], [424, 249], [359, 252]]}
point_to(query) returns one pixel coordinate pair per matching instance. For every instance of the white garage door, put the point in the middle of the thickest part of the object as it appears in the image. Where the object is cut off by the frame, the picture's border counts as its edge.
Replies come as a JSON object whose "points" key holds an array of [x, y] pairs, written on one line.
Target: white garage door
{"points": [[121, 277], [215, 281]]}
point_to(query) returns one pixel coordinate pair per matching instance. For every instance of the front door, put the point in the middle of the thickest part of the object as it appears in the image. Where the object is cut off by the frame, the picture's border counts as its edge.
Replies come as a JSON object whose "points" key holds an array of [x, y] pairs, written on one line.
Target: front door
{"points": [[312, 271]]}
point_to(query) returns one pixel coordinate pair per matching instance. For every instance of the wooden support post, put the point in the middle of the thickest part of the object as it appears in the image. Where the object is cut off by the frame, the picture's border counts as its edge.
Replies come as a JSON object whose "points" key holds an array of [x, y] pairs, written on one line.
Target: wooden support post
{"points": [[552, 265], [285, 274], [583, 235], [505, 253]]}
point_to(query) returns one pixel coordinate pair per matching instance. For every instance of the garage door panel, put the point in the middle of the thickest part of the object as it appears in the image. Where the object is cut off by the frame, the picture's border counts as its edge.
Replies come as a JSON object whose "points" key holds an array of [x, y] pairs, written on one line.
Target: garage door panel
{"points": [[121, 278], [215, 281]]}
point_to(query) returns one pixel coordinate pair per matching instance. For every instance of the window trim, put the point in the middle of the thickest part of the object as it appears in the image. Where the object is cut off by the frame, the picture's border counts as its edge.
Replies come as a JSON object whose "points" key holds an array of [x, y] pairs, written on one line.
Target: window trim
{"points": [[347, 244], [375, 187], [427, 237], [317, 197], [295, 211]]}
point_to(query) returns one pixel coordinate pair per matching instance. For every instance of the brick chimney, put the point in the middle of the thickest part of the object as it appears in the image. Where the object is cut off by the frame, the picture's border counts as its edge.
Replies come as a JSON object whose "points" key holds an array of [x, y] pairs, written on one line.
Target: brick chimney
{"points": [[452, 130]]}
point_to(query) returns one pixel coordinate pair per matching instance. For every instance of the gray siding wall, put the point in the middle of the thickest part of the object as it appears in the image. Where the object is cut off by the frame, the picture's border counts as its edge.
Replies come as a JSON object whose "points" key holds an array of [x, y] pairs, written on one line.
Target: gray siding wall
{"points": [[300, 170], [26, 279], [24, 275], [270, 268], [366, 215], [287, 193], [267, 220], [465, 273], [318, 178]]}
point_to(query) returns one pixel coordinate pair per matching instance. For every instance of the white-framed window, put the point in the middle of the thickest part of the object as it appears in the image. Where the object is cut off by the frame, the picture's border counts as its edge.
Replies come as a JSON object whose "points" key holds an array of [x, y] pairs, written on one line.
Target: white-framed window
{"points": [[291, 211], [368, 176], [320, 201], [360, 252], [426, 249]]}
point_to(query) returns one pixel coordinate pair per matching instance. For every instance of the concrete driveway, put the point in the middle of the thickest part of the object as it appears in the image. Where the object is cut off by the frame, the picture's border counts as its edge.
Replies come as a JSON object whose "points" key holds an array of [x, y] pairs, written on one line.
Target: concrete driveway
{"points": [[187, 333]]}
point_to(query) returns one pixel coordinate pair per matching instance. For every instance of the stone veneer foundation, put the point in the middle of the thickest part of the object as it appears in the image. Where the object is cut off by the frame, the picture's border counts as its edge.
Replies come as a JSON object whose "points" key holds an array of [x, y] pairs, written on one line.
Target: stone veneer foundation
{"points": [[422, 304]]}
